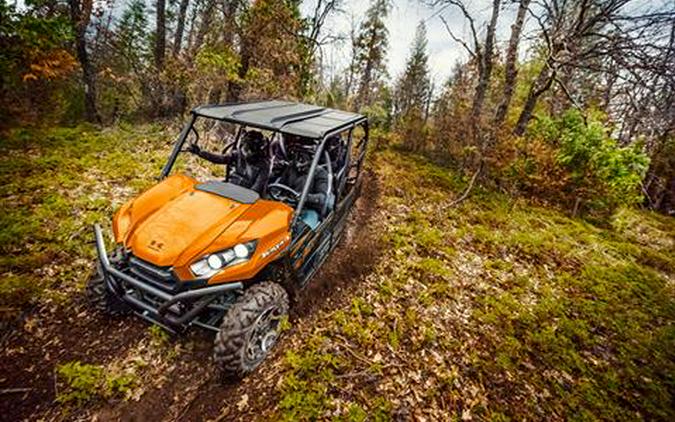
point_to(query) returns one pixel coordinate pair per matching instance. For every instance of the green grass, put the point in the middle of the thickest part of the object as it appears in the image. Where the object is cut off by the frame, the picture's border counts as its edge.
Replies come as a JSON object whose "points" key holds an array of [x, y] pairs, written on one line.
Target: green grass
{"points": [[495, 309], [54, 184], [500, 310]]}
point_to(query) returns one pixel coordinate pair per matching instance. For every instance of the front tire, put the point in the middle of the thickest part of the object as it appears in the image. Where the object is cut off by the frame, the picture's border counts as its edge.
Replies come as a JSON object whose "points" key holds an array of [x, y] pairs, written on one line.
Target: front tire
{"points": [[250, 329]]}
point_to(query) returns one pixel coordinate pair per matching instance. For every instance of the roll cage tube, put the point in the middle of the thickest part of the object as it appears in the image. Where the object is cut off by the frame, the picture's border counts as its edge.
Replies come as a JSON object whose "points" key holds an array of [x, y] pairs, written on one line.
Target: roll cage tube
{"points": [[362, 149], [317, 157], [310, 180], [228, 168], [344, 171], [329, 188], [177, 147]]}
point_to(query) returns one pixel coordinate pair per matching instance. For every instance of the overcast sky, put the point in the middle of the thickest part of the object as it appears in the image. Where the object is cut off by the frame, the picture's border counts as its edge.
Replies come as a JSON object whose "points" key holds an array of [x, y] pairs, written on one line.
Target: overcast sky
{"points": [[402, 22], [443, 51]]}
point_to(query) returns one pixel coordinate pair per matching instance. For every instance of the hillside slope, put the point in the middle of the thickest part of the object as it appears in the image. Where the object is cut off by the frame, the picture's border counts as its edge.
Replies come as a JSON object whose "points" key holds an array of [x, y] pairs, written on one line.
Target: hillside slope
{"points": [[492, 310]]}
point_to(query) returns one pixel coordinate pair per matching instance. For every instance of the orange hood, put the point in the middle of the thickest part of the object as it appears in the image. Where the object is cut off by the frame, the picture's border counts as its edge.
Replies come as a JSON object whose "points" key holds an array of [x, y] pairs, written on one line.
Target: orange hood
{"points": [[192, 219], [172, 224]]}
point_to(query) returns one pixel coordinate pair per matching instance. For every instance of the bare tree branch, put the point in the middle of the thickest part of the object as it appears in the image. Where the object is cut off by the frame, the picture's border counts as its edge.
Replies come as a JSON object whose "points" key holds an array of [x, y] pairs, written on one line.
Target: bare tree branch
{"points": [[456, 39]]}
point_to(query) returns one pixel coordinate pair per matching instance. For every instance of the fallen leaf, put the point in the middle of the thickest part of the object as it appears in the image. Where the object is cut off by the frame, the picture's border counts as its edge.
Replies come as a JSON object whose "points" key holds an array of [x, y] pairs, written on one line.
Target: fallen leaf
{"points": [[243, 402]]}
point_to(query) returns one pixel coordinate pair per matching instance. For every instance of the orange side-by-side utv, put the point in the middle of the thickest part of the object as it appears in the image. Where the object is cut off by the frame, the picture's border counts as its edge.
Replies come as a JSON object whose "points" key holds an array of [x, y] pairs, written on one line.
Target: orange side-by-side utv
{"points": [[229, 254]]}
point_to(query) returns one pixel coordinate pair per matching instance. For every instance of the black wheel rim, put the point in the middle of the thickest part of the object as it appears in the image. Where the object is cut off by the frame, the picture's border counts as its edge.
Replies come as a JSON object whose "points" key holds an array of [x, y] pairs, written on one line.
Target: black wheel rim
{"points": [[264, 334]]}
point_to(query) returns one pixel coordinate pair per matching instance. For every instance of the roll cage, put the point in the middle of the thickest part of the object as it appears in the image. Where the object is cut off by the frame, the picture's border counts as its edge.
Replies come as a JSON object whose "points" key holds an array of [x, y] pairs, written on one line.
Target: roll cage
{"points": [[315, 124]]}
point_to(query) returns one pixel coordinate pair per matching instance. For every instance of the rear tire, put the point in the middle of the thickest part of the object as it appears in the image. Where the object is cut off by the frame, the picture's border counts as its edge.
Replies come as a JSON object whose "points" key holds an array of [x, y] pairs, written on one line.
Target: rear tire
{"points": [[250, 329], [100, 298]]}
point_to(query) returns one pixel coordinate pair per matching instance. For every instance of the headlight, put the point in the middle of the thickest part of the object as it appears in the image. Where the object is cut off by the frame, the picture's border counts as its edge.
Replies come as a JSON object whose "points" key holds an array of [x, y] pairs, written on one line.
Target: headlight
{"points": [[212, 264]]}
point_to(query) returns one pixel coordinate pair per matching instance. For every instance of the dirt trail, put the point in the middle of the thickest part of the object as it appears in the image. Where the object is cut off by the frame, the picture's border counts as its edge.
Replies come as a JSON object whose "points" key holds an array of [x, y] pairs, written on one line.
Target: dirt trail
{"points": [[52, 336], [191, 389]]}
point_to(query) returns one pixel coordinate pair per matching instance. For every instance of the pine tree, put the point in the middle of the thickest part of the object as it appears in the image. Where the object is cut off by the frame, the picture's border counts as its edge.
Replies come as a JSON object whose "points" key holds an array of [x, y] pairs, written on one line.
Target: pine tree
{"points": [[413, 88], [413, 91], [370, 50]]}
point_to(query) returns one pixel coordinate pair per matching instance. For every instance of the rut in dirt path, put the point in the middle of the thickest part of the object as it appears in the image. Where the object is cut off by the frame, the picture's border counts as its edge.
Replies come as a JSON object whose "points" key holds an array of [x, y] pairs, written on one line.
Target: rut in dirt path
{"points": [[195, 391], [50, 336]]}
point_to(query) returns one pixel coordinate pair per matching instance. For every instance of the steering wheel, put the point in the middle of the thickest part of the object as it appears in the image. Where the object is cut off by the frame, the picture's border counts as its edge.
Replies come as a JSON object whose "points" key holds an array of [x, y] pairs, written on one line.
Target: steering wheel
{"points": [[283, 193]]}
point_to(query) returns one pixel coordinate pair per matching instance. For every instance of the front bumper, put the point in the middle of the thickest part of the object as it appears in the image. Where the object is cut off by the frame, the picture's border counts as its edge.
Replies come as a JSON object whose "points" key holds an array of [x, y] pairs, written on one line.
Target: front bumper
{"points": [[172, 311]]}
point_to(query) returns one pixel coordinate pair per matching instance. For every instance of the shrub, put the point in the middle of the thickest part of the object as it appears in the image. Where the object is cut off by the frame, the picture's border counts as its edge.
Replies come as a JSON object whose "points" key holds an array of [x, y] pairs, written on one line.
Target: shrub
{"points": [[576, 163], [413, 130]]}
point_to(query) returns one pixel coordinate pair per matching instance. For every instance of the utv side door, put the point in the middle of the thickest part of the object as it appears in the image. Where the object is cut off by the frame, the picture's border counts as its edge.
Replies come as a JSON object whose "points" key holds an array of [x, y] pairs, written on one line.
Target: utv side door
{"points": [[311, 247]]}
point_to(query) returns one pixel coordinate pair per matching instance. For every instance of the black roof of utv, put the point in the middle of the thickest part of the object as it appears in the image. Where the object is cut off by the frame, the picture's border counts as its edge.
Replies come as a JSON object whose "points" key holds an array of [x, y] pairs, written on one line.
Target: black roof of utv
{"points": [[283, 116]]}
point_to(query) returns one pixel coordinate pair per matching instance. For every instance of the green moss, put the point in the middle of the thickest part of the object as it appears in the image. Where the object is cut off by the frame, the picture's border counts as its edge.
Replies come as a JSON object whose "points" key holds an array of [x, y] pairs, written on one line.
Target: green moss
{"points": [[17, 225], [564, 307], [361, 308], [655, 259], [304, 391], [158, 336], [498, 265], [356, 413], [430, 238], [311, 362], [55, 183], [433, 268], [82, 381], [302, 400], [120, 384], [14, 288], [394, 337]]}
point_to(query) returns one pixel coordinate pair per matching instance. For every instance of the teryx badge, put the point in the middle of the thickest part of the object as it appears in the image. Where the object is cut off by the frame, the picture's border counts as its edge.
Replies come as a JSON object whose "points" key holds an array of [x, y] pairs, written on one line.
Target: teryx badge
{"points": [[275, 248]]}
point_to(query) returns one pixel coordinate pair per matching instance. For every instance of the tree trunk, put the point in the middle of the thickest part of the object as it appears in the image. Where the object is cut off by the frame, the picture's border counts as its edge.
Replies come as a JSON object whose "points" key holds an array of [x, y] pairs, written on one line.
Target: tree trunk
{"points": [[349, 77], [235, 88], [193, 22], [229, 32], [427, 105], [229, 21], [204, 25], [80, 14], [160, 35], [180, 27], [510, 67], [539, 86], [363, 97], [486, 66], [364, 88], [177, 101]]}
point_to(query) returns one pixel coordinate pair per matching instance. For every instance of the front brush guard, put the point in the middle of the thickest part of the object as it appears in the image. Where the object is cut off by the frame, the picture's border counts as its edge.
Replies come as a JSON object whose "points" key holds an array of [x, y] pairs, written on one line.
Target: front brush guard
{"points": [[166, 315]]}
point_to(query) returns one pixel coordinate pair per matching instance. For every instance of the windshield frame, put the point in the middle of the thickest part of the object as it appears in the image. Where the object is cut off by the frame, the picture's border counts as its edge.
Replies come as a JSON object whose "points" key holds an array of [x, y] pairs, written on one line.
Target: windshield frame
{"points": [[189, 127]]}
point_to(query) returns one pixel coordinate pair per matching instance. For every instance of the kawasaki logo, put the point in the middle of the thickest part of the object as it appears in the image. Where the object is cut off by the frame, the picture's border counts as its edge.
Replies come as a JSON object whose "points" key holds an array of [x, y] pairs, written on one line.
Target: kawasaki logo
{"points": [[155, 245]]}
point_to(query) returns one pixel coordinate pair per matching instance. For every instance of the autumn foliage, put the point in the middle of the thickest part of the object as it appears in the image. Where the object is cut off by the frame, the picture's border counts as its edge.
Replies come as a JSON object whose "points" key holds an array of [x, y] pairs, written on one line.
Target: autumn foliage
{"points": [[35, 67]]}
